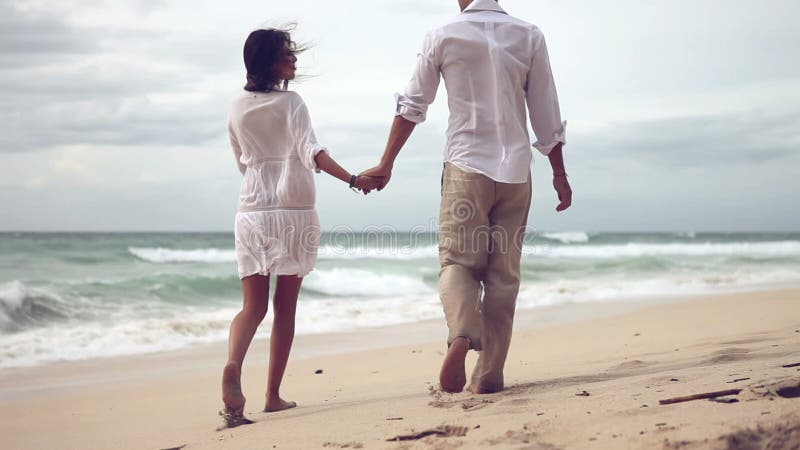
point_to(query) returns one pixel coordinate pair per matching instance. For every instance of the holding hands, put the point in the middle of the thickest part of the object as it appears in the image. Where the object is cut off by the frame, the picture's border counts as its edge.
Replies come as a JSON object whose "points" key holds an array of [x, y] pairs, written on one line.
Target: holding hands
{"points": [[382, 174], [366, 183]]}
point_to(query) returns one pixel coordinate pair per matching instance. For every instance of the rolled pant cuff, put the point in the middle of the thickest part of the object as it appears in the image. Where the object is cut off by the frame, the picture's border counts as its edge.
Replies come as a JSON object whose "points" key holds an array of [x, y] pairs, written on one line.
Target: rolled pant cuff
{"points": [[474, 342]]}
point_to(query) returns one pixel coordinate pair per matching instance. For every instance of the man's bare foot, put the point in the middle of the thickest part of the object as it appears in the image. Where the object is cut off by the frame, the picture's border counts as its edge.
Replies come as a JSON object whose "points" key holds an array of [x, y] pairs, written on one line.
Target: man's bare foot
{"points": [[479, 390], [232, 395], [278, 404], [453, 375]]}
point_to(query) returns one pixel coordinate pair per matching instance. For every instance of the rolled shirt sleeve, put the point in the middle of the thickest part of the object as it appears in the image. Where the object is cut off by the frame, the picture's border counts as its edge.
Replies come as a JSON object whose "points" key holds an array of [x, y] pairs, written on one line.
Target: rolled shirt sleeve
{"points": [[542, 100], [237, 150], [305, 138], [412, 104]]}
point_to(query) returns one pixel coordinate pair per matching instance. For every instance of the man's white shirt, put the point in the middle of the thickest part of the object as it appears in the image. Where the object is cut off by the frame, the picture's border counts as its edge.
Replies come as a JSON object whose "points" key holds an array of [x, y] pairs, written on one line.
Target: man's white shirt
{"points": [[493, 66]]}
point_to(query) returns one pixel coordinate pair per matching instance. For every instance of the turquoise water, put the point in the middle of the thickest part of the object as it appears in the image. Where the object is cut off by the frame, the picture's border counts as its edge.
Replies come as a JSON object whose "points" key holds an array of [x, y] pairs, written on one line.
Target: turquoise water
{"points": [[76, 296]]}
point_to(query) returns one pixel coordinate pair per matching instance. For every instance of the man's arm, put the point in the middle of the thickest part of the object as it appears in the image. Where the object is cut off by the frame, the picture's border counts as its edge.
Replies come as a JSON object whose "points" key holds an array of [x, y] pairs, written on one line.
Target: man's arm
{"points": [[412, 107], [399, 134], [545, 115]]}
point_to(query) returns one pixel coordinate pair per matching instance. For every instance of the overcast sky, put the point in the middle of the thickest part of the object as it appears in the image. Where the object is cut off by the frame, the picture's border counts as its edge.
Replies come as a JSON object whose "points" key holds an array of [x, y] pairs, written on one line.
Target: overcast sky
{"points": [[683, 115]]}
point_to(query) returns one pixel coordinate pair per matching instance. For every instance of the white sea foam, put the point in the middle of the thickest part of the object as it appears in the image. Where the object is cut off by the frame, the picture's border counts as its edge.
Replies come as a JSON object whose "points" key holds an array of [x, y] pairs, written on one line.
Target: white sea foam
{"points": [[121, 337], [12, 294], [363, 283], [219, 255], [776, 248], [622, 288], [568, 237], [137, 330], [584, 251], [181, 328], [399, 252], [166, 255]]}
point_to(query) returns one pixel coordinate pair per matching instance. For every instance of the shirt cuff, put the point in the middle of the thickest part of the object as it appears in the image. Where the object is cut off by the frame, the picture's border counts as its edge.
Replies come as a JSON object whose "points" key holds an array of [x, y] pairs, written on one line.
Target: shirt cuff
{"points": [[406, 108], [559, 136]]}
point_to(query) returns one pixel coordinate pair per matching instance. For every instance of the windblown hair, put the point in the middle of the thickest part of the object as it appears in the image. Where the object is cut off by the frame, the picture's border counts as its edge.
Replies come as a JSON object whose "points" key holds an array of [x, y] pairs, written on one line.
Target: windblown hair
{"points": [[262, 50]]}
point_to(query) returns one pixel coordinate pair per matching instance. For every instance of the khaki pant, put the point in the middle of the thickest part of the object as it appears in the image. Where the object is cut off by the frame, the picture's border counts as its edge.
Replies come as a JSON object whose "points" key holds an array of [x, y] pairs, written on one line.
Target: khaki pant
{"points": [[481, 229]]}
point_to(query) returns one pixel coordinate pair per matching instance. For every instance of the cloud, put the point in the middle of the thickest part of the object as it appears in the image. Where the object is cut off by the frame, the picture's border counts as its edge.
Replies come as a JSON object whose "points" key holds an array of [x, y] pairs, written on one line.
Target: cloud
{"points": [[27, 38], [72, 84], [132, 121], [421, 7], [106, 102], [698, 141]]}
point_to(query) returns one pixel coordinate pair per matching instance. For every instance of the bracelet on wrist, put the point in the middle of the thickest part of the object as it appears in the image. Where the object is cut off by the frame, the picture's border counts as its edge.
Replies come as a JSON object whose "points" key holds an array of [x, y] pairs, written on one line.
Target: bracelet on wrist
{"points": [[353, 181]]}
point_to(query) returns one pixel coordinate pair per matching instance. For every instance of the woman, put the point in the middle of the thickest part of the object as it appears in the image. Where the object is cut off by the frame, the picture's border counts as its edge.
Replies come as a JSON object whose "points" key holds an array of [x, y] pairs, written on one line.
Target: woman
{"points": [[277, 228]]}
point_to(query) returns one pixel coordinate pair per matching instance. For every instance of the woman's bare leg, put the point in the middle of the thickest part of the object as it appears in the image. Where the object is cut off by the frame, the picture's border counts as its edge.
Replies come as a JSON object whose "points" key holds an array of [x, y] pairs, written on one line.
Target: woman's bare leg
{"points": [[255, 290], [280, 342]]}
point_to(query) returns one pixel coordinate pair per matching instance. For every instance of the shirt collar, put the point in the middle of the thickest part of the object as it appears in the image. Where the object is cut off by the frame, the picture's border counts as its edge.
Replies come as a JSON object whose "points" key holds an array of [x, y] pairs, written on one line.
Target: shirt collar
{"points": [[484, 5]]}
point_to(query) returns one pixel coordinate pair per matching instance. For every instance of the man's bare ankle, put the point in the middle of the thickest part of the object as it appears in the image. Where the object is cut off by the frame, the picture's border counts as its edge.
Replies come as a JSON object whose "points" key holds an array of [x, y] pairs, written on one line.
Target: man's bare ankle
{"points": [[462, 341]]}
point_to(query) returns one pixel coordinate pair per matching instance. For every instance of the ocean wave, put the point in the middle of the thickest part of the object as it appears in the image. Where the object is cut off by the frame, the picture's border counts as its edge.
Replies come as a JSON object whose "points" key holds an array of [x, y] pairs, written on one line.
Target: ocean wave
{"points": [[185, 327], [363, 283], [568, 237], [776, 248], [589, 251], [127, 335], [607, 289], [167, 255], [374, 301], [400, 252], [24, 307], [161, 255]]}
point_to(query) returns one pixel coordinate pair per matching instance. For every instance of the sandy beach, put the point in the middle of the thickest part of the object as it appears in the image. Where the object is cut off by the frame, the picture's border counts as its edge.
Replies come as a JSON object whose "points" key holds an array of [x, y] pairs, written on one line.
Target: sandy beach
{"points": [[591, 383]]}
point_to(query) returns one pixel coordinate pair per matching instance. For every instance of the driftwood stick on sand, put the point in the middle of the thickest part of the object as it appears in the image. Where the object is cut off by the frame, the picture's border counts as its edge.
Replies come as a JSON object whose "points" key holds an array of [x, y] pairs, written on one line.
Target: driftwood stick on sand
{"points": [[702, 396], [789, 366]]}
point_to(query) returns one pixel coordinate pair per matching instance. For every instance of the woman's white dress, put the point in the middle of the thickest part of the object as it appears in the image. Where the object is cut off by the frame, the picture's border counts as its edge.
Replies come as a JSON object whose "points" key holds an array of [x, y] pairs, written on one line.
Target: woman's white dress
{"points": [[277, 229]]}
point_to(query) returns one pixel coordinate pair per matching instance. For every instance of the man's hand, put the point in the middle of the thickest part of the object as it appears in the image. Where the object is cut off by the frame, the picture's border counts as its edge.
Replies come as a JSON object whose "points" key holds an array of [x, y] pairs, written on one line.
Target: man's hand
{"points": [[382, 173], [366, 183], [563, 190]]}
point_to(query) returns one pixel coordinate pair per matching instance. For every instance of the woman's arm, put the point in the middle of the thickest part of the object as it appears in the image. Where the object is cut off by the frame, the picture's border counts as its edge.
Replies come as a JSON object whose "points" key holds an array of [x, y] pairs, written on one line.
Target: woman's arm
{"points": [[237, 150], [328, 165]]}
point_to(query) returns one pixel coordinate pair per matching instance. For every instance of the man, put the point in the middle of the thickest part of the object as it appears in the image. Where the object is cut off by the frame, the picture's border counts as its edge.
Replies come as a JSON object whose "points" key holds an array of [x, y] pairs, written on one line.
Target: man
{"points": [[493, 65]]}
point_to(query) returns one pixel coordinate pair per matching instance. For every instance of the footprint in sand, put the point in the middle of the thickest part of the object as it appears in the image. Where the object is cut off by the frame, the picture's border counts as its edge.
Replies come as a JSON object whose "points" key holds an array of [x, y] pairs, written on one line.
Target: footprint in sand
{"points": [[788, 388], [516, 437], [475, 403], [470, 404], [632, 364], [727, 355]]}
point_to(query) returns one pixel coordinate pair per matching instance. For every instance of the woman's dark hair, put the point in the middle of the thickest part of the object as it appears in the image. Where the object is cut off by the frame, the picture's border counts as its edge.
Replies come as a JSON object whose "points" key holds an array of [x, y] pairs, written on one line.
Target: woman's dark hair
{"points": [[262, 50]]}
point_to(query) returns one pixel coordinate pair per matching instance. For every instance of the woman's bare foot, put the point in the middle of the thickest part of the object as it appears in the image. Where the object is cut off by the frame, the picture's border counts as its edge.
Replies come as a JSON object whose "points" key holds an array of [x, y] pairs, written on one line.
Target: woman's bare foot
{"points": [[233, 419], [232, 397], [453, 375], [232, 388], [278, 404]]}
